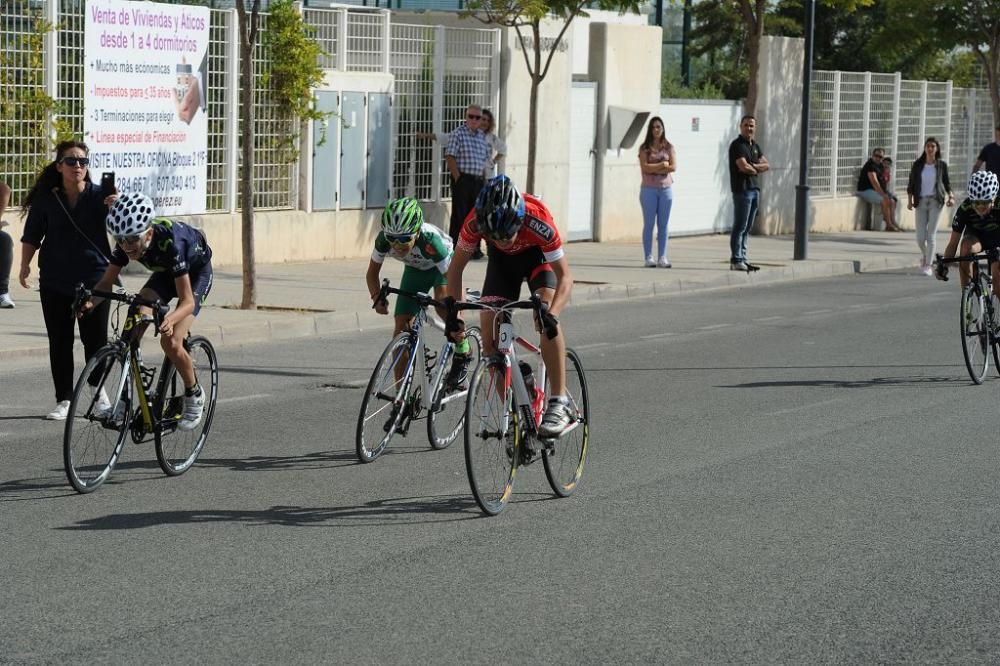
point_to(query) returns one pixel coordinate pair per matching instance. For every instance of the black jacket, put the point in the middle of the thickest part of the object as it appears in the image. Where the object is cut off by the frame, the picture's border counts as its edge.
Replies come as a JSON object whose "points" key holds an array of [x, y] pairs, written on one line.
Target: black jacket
{"points": [[69, 254], [942, 186]]}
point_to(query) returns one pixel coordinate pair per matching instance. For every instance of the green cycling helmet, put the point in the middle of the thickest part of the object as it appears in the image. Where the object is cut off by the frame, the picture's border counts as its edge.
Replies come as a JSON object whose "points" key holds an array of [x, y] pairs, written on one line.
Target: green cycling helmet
{"points": [[402, 217]]}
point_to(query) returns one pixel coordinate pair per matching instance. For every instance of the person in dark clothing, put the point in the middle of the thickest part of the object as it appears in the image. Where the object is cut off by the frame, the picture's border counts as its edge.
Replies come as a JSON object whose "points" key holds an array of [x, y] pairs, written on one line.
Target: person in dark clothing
{"points": [[746, 162], [989, 156], [467, 152], [6, 251], [65, 226]]}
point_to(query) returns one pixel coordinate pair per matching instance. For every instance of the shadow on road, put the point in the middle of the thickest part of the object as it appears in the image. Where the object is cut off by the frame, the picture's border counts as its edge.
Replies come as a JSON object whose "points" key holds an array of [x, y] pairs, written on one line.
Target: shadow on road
{"points": [[433, 509], [852, 383], [317, 460]]}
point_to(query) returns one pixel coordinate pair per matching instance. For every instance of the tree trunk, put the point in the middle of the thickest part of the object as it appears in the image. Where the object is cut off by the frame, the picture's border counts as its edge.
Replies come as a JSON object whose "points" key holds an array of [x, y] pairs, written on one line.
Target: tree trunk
{"points": [[248, 40], [536, 81], [753, 18]]}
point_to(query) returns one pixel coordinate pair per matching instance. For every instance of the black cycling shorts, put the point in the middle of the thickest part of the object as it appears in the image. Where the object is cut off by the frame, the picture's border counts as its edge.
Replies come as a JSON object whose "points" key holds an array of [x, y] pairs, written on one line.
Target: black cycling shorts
{"points": [[988, 239], [505, 273], [201, 283]]}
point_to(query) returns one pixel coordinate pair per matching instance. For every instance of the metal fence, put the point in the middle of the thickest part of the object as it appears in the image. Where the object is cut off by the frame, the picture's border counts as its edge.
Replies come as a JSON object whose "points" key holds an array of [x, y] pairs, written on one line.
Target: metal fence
{"points": [[437, 71], [855, 112]]}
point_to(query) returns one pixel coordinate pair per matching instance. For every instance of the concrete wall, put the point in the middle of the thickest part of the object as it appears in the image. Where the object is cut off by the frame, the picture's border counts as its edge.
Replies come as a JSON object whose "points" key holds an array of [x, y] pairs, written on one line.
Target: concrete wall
{"points": [[779, 130], [701, 133], [625, 61], [580, 33]]}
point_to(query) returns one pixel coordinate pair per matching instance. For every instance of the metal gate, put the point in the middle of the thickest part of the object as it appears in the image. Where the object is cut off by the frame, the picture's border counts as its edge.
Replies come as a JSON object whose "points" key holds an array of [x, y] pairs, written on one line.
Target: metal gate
{"points": [[582, 136]]}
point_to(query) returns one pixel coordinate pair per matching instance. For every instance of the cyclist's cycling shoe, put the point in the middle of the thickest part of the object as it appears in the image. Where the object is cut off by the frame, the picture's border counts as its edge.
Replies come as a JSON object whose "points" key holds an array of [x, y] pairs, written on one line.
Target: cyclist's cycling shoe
{"points": [[556, 419], [400, 427], [458, 374], [194, 406]]}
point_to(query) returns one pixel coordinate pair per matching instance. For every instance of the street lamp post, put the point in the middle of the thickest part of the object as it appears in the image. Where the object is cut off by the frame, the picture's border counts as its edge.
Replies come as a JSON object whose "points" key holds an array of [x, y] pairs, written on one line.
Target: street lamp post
{"points": [[802, 189]]}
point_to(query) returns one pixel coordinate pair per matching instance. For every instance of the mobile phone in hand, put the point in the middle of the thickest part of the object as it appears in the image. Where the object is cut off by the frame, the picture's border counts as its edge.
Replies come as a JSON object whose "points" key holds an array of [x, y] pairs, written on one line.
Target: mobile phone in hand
{"points": [[108, 183]]}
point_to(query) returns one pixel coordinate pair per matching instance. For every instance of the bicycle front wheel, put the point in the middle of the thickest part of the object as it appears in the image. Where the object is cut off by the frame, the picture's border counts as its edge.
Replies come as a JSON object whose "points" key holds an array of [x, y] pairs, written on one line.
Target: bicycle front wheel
{"points": [[564, 461], [176, 449], [975, 336], [382, 408], [95, 435], [492, 436], [446, 412]]}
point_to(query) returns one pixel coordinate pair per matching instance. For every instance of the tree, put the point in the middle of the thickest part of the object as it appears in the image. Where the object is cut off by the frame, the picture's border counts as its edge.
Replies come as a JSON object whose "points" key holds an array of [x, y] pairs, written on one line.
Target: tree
{"points": [[977, 25], [521, 14], [249, 28], [720, 20]]}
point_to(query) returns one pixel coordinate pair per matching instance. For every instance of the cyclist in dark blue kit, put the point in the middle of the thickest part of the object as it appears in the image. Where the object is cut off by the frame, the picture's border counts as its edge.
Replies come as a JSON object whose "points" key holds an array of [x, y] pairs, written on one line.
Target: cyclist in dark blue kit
{"points": [[181, 261]]}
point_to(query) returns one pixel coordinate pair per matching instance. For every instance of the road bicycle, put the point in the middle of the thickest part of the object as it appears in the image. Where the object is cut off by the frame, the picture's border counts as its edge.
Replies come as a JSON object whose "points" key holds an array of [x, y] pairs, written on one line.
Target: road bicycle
{"points": [[978, 318], [94, 436], [402, 389], [504, 409]]}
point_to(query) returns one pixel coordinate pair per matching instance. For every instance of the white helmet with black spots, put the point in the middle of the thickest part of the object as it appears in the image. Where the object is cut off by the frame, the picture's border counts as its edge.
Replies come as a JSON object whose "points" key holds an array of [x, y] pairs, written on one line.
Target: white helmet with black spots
{"points": [[131, 215], [983, 186]]}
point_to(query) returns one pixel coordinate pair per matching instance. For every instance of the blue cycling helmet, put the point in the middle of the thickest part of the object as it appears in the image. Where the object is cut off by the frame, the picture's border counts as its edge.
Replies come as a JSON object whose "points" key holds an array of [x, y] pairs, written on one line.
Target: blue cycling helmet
{"points": [[499, 209]]}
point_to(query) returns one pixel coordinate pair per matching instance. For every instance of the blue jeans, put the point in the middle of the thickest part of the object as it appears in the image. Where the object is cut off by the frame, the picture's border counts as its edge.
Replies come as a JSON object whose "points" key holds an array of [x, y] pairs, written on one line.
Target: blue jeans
{"points": [[656, 203], [745, 205]]}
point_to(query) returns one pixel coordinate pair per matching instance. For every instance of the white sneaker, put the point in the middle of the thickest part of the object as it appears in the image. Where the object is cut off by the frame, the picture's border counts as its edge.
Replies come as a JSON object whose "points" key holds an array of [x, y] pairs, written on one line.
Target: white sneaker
{"points": [[927, 270], [194, 405], [102, 405], [60, 412], [6, 302], [664, 263], [650, 262]]}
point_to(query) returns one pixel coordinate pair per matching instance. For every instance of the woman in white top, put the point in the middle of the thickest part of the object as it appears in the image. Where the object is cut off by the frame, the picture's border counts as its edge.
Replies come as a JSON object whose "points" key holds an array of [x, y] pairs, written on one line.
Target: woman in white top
{"points": [[928, 190]]}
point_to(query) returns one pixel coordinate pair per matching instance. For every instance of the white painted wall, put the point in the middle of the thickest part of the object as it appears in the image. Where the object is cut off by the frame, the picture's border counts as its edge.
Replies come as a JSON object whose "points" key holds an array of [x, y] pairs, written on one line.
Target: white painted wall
{"points": [[702, 199]]}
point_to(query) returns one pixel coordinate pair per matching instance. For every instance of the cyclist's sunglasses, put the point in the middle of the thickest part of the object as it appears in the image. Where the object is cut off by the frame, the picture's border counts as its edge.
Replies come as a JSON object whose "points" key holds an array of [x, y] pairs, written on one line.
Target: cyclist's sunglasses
{"points": [[399, 239], [984, 202], [75, 161], [499, 238], [128, 240]]}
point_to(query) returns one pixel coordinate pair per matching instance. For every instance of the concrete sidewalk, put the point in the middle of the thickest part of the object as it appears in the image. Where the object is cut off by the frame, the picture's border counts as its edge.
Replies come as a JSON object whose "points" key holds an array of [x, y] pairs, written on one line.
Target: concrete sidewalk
{"points": [[298, 300]]}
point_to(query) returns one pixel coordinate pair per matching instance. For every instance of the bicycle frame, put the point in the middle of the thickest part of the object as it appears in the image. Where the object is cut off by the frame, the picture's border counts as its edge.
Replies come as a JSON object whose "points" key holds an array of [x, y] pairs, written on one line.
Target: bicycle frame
{"points": [[420, 350]]}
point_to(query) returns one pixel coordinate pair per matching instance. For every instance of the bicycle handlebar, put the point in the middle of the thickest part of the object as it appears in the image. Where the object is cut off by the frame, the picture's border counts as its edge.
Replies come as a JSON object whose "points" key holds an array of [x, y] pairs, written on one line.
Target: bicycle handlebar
{"points": [[990, 256], [159, 308], [540, 307]]}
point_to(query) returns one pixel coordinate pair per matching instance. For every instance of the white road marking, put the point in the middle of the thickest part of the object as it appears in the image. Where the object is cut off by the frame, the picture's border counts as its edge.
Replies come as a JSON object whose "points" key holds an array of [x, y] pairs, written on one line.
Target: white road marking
{"points": [[791, 410], [656, 335], [593, 345], [816, 312], [712, 327], [241, 398], [774, 318]]}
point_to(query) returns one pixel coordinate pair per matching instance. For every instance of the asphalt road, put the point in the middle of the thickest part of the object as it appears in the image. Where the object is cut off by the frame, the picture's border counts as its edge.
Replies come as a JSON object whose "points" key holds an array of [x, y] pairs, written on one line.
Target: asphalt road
{"points": [[794, 474]]}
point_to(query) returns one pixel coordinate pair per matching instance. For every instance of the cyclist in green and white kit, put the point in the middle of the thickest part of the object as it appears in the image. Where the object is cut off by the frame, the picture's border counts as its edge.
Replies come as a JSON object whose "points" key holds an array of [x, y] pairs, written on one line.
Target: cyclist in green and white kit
{"points": [[426, 252]]}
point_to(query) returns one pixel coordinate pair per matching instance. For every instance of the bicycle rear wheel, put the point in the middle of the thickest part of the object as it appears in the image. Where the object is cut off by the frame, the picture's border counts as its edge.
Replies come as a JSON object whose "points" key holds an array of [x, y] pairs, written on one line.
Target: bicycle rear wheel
{"points": [[564, 462], [177, 450], [446, 413], [492, 436], [973, 328], [382, 408], [93, 439]]}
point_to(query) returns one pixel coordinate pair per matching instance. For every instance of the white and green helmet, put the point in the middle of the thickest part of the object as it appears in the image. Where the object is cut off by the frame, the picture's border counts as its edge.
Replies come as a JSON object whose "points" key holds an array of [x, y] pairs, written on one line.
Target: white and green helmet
{"points": [[402, 217]]}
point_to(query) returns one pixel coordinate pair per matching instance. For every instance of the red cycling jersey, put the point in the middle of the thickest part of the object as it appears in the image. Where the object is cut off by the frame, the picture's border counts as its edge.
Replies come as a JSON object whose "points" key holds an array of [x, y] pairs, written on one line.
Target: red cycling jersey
{"points": [[539, 230]]}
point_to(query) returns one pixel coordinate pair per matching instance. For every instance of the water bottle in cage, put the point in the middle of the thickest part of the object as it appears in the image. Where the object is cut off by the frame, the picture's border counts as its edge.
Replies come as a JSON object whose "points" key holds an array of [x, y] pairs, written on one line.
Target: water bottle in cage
{"points": [[537, 395]]}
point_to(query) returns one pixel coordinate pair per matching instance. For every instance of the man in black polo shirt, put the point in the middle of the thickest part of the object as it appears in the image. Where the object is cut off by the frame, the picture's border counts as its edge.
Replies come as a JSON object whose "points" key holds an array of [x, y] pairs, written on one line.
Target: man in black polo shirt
{"points": [[989, 156], [746, 162]]}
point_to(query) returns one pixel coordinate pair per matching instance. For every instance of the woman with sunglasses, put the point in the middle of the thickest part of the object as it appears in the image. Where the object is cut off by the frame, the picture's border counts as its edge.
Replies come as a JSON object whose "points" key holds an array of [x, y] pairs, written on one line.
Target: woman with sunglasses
{"points": [[65, 226], [181, 263], [426, 253]]}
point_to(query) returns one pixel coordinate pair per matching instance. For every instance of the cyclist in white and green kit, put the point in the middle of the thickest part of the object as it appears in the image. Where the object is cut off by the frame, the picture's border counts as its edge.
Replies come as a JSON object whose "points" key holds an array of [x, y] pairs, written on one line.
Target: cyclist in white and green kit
{"points": [[426, 252]]}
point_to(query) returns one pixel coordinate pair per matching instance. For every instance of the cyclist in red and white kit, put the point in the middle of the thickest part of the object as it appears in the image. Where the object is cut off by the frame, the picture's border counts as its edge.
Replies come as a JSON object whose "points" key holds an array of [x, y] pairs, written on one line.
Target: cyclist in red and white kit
{"points": [[523, 244]]}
